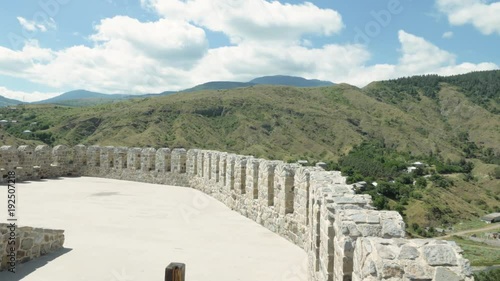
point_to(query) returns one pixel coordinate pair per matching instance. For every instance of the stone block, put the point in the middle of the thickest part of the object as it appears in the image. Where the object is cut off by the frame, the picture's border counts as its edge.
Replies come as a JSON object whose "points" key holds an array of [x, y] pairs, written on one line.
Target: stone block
{"points": [[440, 255], [27, 244], [445, 274]]}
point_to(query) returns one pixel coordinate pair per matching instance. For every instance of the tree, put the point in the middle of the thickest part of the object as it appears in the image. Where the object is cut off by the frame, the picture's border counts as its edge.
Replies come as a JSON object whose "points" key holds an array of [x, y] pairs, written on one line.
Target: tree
{"points": [[380, 202], [387, 190], [405, 179], [421, 182]]}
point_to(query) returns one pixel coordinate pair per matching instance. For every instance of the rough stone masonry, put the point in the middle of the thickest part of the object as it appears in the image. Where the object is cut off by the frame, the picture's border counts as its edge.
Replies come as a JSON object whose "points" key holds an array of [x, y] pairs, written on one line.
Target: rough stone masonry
{"points": [[343, 235], [30, 243]]}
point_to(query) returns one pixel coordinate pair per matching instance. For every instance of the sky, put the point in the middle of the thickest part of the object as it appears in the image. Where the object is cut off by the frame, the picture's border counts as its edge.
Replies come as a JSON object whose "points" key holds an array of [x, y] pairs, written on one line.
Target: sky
{"points": [[48, 47]]}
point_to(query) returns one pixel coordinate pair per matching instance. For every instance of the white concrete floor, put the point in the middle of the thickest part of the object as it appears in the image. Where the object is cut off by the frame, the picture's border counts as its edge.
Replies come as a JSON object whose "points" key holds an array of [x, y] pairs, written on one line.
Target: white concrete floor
{"points": [[129, 231]]}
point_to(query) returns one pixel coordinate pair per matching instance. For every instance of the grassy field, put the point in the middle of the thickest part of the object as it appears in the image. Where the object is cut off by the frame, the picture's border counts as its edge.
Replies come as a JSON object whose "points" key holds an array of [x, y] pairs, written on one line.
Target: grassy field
{"points": [[469, 225], [479, 254]]}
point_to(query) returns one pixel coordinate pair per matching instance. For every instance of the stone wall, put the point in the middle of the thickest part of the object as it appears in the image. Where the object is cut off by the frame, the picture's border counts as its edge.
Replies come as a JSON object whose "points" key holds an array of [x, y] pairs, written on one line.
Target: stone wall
{"points": [[31, 243], [149, 165], [343, 235]]}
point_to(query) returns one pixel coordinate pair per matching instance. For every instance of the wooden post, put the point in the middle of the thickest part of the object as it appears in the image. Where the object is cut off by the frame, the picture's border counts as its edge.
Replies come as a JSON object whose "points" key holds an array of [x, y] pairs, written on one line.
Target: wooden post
{"points": [[175, 272]]}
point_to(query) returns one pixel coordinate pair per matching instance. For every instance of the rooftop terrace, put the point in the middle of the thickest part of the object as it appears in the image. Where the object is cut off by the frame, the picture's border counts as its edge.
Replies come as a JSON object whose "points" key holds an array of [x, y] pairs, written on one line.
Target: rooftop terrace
{"points": [[129, 231]]}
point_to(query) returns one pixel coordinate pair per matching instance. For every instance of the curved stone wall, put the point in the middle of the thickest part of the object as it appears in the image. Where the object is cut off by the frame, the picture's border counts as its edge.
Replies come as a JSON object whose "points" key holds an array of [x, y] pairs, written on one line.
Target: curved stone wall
{"points": [[344, 236]]}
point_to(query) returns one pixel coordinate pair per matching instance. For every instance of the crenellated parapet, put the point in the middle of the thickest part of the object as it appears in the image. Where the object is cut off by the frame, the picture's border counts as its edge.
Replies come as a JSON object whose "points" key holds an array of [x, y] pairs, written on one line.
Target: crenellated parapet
{"points": [[179, 158], [230, 166], [9, 158], [163, 160], [135, 164], [252, 178], [343, 235], [214, 169], [26, 156], [62, 161], [266, 182], [107, 158], [94, 156], [316, 210], [79, 157], [240, 173], [134, 158], [284, 188], [148, 162], [121, 158], [222, 169]]}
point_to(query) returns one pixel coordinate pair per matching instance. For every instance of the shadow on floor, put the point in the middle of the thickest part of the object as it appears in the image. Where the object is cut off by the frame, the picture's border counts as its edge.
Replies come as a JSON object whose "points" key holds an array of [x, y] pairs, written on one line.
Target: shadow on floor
{"points": [[25, 269]]}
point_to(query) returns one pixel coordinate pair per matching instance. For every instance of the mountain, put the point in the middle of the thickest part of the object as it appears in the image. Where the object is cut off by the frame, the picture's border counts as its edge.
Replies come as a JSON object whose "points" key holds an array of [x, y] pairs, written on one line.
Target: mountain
{"points": [[277, 80], [8, 102], [79, 97], [414, 115], [80, 94], [219, 85], [372, 134], [290, 81], [165, 93]]}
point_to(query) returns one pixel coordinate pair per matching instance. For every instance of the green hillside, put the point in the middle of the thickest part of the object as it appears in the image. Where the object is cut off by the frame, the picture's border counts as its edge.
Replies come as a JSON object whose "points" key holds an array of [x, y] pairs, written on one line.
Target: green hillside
{"points": [[284, 80], [372, 134], [218, 85], [81, 98], [8, 102]]}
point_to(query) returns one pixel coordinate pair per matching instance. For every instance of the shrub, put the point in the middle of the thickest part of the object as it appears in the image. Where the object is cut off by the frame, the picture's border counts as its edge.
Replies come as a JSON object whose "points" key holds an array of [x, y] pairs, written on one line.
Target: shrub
{"points": [[417, 195], [496, 173], [440, 181], [400, 209]]}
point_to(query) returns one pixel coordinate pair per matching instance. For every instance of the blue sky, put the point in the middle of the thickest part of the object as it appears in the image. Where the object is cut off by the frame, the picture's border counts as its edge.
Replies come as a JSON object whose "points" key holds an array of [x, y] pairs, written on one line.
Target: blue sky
{"points": [[145, 46]]}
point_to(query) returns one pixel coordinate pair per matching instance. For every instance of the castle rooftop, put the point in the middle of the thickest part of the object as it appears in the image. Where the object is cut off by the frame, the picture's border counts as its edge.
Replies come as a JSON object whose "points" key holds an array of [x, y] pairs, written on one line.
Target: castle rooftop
{"points": [[130, 231]]}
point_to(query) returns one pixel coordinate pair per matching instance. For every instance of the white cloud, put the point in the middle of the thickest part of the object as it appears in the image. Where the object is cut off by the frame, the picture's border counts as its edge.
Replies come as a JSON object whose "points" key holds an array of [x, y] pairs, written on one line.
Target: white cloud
{"points": [[26, 96], [33, 26], [18, 63], [422, 57], [481, 14], [249, 60], [252, 20], [448, 35], [172, 53], [30, 26], [418, 57], [127, 56], [176, 42]]}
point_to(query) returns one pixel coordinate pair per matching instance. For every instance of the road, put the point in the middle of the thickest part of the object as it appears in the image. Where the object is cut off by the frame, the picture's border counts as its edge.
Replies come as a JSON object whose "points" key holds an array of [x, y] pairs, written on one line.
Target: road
{"points": [[491, 227]]}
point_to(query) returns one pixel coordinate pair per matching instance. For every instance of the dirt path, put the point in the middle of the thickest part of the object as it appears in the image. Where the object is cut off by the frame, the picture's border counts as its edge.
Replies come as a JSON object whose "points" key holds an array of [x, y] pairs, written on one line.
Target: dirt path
{"points": [[491, 227]]}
